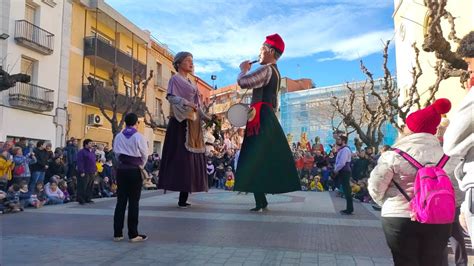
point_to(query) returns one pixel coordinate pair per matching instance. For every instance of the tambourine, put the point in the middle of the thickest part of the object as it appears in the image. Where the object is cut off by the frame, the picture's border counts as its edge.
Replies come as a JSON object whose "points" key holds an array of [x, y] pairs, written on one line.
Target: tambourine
{"points": [[238, 114]]}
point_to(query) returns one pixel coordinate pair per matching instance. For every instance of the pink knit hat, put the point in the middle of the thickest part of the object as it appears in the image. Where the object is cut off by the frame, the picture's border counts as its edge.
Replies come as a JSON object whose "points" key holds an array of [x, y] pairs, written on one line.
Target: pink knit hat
{"points": [[427, 120]]}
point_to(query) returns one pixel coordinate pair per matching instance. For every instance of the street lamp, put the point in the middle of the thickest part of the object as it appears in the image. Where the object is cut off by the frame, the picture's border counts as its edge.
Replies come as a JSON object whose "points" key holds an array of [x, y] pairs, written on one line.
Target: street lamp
{"points": [[213, 77]]}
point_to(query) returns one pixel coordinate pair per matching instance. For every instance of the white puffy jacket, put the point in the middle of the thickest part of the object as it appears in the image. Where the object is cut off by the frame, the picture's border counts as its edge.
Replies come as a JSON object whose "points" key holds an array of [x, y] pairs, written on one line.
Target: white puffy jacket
{"points": [[425, 148]]}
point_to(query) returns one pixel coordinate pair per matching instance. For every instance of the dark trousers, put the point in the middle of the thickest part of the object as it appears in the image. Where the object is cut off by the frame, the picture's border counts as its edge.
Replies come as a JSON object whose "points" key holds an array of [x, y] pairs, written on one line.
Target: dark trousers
{"points": [[129, 188], [84, 187], [260, 200], [183, 197], [345, 177], [415, 244], [457, 243]]}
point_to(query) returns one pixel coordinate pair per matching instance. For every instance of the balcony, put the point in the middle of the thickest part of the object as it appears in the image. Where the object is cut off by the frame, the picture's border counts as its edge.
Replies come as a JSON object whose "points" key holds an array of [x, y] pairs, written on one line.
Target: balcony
{"points": [[31, 97], [34, 37], [95, 47], [159, 121], [104, 95]]}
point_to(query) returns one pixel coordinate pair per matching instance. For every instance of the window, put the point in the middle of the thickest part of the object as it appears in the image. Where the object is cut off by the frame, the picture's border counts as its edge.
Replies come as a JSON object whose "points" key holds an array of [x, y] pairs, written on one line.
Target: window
{"points": [[102, 37], [159, 78], [100, 81], [30, 13], [28, 67], [158, 106]]}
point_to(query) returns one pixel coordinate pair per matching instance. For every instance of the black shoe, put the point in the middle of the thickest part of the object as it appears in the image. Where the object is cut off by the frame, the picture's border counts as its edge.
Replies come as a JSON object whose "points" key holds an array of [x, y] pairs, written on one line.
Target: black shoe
{"points": [[81, 202], [345, 212], [376, 208], [183, 206], [256, 209], [90, 201]]}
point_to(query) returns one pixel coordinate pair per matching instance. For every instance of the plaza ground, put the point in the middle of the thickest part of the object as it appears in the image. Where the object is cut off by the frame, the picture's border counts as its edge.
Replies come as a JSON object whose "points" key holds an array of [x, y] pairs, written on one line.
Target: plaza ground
{"points": [[301, 228]]}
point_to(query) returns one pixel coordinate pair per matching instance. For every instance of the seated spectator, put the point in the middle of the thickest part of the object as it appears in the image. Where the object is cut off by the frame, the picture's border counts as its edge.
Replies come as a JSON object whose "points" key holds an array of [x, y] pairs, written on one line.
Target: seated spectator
{"points": [[363, 194], [12, 203], [55, 195], [326, 177], [360, 166], [25, 195], [55, 168], [315, 170], [63, 187], [304, 183], [3, 197], [107, 188], [319, 186], [38, 196]]}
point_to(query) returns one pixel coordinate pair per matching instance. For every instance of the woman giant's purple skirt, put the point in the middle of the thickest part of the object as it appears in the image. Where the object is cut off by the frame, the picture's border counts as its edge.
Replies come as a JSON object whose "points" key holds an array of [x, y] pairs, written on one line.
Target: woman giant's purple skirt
{"points": [[180, 169]]}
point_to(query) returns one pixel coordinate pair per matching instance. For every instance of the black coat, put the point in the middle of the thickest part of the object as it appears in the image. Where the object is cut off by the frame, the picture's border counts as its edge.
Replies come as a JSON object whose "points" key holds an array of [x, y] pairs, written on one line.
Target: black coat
{"points": [[42, 157]]}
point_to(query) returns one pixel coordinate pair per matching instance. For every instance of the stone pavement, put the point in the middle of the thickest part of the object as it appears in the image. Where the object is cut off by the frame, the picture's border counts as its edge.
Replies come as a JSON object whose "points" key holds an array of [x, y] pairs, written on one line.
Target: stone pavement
{"points": [[301, 228]]}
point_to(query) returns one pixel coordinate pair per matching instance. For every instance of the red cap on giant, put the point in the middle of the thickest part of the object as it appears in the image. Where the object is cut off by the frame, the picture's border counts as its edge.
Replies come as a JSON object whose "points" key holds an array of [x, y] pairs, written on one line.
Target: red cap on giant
{"points": [[275, 41]]}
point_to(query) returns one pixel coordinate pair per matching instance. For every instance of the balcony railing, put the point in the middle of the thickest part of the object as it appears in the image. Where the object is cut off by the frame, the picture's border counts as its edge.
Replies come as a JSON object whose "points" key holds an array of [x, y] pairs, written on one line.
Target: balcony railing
{"points": [[95, 97], [159, 121], [34, 37], [31, 97], [96, 47]]}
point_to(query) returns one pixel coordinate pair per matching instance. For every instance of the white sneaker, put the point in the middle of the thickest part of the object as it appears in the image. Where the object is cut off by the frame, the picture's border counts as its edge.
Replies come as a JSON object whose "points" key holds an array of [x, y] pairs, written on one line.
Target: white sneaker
{"points": [[139, 238], [118, 238]]}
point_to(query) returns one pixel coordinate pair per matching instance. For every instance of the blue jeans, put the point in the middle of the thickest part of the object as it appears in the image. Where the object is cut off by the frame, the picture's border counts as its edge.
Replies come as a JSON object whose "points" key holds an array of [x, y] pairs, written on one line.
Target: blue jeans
{"points": [[35, 178], [54, 200]]}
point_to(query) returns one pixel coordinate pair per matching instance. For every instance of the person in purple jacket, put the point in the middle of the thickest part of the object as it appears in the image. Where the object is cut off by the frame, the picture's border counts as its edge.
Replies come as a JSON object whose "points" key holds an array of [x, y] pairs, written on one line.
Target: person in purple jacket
{"points": [[131, 150], [86, 170]]}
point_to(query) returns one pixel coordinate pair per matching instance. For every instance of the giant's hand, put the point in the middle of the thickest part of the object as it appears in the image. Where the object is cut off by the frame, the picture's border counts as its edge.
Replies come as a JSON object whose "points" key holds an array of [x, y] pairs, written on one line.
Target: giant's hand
{"points": [[245, 66]]}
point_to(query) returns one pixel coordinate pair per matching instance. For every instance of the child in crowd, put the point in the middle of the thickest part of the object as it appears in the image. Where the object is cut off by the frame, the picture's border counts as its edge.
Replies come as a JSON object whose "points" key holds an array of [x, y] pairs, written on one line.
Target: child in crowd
{"points": [[229, 183], [304, 183], [55, 195], [325, 177], [25, 195], [363, 194], [3, 197], [107, 188], [312, 183], [319, 185], [38, 196], [210, 172], [220, 174], [12, 203], [63, 187]]}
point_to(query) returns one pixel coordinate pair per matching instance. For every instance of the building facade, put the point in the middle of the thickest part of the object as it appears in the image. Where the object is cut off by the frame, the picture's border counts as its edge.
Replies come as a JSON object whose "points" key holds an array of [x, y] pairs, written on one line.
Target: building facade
{"points": [[104, 39], [411, 24], [31, 42], [160, 60], [310, 112]]}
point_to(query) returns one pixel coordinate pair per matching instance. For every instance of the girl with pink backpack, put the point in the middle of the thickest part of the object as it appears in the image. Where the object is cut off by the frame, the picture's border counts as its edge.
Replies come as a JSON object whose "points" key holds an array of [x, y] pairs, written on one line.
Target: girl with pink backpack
{"points": [[416, 194]]}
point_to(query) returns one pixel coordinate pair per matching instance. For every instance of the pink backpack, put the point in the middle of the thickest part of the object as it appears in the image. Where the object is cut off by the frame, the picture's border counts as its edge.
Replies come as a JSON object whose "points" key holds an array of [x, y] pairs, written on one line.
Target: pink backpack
{"points": [[434, 201]]}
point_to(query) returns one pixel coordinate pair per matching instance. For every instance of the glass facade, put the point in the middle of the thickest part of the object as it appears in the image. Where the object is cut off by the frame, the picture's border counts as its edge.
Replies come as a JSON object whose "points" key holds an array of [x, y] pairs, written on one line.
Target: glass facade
{"points": [[310, 111]]}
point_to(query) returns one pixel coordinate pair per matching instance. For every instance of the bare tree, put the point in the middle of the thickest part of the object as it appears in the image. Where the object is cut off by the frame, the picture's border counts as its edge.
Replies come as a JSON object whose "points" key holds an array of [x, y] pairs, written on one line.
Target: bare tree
{"points": [[114, 105], [387, 108]]}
